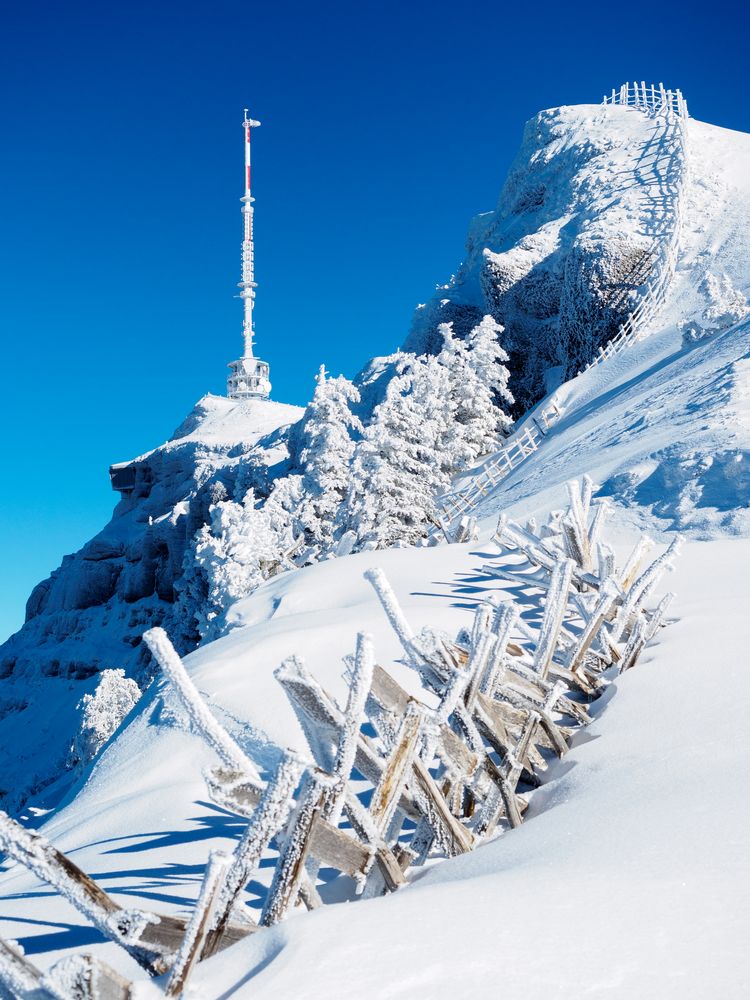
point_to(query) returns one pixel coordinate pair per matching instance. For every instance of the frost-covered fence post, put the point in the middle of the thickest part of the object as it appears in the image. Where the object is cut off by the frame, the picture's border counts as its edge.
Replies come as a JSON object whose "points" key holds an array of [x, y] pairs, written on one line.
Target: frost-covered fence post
{"points": [[554, 613], [346, 753], [200, 923], [19, 976], [608, 594], [198, 712], [290, 867], [267, 820], [84, 977], [131, 929], [392, 608]]}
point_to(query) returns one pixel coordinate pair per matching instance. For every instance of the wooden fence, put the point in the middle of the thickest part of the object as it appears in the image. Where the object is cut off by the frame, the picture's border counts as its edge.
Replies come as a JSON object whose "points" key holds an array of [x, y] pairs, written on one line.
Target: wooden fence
{"points": [[655, 101], [441, 773]]}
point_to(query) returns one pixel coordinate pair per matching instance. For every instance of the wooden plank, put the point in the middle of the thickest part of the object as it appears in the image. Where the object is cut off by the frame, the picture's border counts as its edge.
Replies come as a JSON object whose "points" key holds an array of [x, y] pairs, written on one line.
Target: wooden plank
{"points": [[388, 692], [459, 839], [389, 788], [336, 849], [128, 928]]}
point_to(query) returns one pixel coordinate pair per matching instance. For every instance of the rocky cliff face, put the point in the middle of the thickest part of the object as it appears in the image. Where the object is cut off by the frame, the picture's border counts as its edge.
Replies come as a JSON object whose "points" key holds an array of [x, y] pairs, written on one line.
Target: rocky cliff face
{"points": [[90, 613], [561, 259]]}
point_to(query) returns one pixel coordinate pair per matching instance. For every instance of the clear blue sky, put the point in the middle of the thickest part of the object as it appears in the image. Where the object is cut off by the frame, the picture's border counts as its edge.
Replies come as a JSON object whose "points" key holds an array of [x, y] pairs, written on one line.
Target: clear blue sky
{"points": [[386, 126]]}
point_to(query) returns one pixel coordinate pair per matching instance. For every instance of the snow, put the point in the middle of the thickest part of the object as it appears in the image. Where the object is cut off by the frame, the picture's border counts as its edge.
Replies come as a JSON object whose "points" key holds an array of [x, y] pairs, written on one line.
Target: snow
{"points": [[629, 877]]}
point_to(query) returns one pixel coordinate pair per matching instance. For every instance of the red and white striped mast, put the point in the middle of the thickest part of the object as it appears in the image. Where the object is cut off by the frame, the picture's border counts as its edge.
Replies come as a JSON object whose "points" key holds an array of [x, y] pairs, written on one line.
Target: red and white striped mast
{"points": [[249, 376]]}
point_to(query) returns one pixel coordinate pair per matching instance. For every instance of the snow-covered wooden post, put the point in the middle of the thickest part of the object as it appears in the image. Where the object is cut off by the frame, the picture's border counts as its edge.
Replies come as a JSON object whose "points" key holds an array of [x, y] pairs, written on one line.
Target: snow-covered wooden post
{"points": [[346, 752], [131, 929], [290, 867], [18, 975], [201, 717], [84, 977], [554, 612], [267, 820], [200, 923], [608, 594]]}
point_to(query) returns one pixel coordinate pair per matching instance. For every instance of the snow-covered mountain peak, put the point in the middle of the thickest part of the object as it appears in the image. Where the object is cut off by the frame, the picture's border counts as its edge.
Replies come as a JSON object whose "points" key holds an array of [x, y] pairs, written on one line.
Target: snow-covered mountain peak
{"points": [[217, 421], [564, 255]]}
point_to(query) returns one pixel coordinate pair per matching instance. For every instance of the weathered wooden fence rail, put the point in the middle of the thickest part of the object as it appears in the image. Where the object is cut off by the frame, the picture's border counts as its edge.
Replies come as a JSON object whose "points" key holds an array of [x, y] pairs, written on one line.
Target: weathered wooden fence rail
{"points": [[445, 770], [671, 107]]}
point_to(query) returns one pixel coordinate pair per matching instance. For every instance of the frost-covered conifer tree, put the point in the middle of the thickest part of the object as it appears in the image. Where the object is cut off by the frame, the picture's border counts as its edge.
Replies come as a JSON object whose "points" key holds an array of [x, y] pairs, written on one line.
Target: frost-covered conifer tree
{"points": [[479, 386], [242, 546], [327, 449], [404, 458]]}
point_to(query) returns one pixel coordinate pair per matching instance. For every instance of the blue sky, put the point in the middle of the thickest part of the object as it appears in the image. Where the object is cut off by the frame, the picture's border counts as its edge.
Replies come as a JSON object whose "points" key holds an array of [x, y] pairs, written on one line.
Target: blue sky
{"points": [[385, 128]]}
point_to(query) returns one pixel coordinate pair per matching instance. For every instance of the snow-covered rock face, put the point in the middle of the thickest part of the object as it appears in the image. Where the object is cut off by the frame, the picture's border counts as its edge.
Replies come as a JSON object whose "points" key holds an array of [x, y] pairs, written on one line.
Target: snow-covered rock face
{"points": [[571, 241], [89, 615]]}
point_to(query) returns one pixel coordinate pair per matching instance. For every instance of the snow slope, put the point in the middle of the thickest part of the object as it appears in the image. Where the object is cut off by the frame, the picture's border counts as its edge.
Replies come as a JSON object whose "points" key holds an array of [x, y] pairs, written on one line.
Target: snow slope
{"points": [[630, 876]]}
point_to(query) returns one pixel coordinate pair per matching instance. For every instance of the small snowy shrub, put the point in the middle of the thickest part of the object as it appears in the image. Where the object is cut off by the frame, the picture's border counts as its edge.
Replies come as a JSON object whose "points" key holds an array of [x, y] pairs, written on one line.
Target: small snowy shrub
{"points": [[726, 304], [101, 714]]}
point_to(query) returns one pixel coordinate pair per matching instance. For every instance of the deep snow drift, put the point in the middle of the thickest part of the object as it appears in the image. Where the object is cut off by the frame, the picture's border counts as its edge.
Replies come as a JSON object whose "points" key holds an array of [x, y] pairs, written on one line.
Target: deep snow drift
{"points": [[630, 876]]}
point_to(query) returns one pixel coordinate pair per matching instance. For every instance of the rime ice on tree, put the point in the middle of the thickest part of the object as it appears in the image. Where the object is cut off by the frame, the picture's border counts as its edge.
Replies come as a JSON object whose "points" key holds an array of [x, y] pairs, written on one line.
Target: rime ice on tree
{"points": [[249, 378]]}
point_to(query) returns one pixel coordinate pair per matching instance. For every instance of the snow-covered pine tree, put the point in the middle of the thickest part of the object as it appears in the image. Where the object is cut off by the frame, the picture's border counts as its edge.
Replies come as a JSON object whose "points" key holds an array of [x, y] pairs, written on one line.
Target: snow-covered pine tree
{"points": [[404, 459], [479, 386], [242, 546], [327, 449]]}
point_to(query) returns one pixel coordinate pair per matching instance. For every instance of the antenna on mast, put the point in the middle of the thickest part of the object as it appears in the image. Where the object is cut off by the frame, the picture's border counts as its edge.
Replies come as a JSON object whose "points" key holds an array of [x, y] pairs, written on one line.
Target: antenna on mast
{"points": [[249, 376]]}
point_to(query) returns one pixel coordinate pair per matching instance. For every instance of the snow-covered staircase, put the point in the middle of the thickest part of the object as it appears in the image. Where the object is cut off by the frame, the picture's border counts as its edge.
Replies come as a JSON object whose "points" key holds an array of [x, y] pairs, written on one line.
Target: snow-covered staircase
{"points": [[670, 108]]}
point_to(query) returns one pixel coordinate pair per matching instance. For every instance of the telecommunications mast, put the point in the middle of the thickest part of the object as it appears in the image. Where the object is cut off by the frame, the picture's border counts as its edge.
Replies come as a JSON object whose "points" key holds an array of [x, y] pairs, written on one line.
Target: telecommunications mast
{"points": [[249, 375]]}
